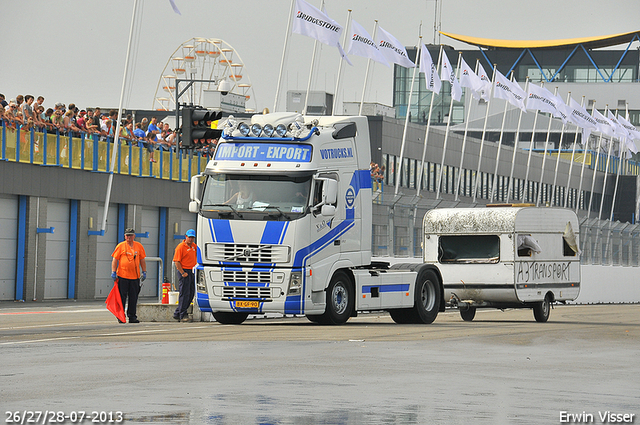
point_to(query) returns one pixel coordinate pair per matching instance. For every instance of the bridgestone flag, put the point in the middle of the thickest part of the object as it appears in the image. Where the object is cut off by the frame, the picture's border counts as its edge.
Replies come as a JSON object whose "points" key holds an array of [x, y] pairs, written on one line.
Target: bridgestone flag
{"points": [[310, 21], [633, 134], [486, 92], [511, 92], [363, 45], [449, 74], [429, 69], [605, 126], [541, 99], [580, 117], [469, 79], [392, 49]]}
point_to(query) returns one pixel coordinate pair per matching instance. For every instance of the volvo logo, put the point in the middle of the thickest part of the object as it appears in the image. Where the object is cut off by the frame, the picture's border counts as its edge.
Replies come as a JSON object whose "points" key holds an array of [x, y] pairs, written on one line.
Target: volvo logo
{"points": [[246, 252]]}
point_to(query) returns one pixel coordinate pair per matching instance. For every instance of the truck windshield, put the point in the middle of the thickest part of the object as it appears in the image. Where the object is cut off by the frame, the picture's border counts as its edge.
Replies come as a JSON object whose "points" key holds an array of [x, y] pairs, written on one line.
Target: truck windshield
{"points": [[264, 197]]}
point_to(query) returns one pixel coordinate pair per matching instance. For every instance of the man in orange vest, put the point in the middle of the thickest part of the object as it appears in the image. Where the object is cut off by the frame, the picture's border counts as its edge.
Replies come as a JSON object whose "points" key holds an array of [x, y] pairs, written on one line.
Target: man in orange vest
{"points": [[126, 266], [185, 257]]}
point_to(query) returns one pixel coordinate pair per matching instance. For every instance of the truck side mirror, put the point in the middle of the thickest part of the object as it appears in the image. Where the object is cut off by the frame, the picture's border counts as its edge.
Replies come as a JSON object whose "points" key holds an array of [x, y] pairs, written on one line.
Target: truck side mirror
{"points": [[330, 192], [195, 191], [328, 210], [193, 207]]}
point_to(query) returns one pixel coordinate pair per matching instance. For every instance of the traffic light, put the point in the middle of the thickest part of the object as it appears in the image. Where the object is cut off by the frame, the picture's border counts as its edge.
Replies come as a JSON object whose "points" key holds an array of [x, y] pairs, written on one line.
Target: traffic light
{"points": [[199, 126]]}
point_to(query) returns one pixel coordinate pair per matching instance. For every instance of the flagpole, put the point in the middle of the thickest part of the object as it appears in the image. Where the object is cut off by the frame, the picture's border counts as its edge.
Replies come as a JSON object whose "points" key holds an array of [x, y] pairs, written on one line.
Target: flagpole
{"points": [[606, 174], [573, 156], [544, 155], [622, 152], [426, 135], [595, 167], [313, 62], [313, 65], [525, 189], [515, 147], [406, 118], [484, 131], [495, 172], [116, 134], [464, 141], [366, 75], [555, 175], [338, 80], [584, 161], [284, 55], [446, 134]]}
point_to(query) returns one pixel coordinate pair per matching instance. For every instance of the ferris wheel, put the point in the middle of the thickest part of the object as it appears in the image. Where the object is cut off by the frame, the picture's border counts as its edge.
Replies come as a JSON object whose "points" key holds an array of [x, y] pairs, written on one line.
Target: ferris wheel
{"points": [[202, 59]]}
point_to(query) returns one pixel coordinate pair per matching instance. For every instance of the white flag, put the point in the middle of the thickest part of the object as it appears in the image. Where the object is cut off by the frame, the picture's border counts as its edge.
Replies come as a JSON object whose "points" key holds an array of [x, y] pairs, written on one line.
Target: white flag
{"points": [[429, 69], [310, 21], [449, 74], [604, 126], [580, 117], [632, 130], [469, 79], [362, 44], [621, 131], [541, 99], [562, 110], [486, 91], [509, 91], [392, 49]]}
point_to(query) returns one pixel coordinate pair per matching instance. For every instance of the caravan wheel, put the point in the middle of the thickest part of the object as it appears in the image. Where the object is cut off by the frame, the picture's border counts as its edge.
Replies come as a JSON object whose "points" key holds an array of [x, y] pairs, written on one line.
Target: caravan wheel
{"points": [[542, 310], [468, 313]]}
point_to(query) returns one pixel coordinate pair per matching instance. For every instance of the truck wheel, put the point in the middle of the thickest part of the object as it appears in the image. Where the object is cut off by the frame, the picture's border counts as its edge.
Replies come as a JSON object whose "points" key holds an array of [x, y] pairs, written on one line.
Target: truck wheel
{"points": [[427, 297], [542, 310], [468, 313], [314, 318], [227, 318], [403, 316], [340, 300]]}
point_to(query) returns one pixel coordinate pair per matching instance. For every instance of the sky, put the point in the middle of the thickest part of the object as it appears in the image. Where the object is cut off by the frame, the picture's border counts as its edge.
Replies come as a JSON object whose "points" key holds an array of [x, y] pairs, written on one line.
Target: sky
{"points": [[74, 51]]}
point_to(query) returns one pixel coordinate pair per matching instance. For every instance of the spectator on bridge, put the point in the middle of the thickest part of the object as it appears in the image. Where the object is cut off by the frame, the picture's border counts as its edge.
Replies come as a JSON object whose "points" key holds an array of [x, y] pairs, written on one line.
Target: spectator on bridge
{"points": [[3, 102], [130, 269]]}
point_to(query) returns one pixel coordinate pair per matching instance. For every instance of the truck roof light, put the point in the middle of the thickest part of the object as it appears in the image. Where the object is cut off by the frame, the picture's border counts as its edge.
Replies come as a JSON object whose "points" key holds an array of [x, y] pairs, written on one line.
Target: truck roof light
{"points": [[256, 129], [268, 130], [244, 129], [281, 130]]}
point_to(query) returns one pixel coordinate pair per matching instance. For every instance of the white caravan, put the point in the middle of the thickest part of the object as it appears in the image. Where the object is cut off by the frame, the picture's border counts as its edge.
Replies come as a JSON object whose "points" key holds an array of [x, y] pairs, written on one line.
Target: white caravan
{"points": [[284, 225], [504, 257]]}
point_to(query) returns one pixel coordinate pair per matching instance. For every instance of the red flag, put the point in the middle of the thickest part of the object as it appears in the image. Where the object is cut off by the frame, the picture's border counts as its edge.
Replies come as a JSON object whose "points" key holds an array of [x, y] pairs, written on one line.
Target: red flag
{"points": [[114, 303]]}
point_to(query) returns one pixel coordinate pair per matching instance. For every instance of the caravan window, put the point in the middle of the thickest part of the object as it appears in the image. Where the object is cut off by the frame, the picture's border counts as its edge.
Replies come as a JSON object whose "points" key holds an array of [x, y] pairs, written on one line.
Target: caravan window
{"points": [[469, 249]]}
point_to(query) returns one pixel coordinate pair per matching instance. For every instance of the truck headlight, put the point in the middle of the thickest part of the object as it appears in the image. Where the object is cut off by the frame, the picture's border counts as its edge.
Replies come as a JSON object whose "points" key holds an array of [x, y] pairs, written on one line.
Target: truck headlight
{"points": [[295, 284], [201, 281]]}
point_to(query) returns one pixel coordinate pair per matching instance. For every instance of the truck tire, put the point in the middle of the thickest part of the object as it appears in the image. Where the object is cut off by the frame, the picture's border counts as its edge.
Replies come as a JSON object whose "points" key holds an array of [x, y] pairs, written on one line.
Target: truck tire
{"points": [[542, 309], [228, 318], [427, 297], [468, 313], [340, 300]]}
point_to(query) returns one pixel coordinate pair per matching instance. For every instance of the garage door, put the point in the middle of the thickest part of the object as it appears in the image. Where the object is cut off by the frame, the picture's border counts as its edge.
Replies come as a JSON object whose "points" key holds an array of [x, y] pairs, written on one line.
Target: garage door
{"points": [[151, 224], [57, 247], [8, 247], [187, 221], [105, 246]]}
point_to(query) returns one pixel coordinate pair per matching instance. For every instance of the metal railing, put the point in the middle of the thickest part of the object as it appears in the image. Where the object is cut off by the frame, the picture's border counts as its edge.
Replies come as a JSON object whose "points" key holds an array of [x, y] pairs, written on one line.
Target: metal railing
{"points": [[93, 153]]}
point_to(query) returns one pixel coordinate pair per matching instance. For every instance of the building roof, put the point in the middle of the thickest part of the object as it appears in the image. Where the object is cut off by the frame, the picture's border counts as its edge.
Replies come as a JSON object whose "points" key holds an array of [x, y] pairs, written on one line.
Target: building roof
{"points": [[587, 42]]}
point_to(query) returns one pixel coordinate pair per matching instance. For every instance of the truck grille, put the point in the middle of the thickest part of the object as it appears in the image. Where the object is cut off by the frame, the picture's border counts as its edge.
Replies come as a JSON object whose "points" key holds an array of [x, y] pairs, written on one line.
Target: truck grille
{"points": [[246, 292], [251, 253], [246, 277]]}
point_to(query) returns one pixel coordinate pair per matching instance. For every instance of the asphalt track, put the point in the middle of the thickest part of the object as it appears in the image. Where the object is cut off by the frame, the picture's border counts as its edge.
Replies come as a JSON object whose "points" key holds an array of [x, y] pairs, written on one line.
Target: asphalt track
{"points": [[502, 368]]}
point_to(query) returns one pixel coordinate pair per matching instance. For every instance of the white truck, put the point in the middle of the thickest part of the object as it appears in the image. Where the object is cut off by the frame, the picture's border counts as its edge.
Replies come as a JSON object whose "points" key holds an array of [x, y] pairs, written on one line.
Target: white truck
{"points": [[284, 226], [504, 257]]}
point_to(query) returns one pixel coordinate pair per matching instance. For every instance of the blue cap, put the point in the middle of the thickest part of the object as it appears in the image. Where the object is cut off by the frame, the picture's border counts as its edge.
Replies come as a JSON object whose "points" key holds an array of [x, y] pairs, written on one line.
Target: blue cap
{"points": [[190, 233]]}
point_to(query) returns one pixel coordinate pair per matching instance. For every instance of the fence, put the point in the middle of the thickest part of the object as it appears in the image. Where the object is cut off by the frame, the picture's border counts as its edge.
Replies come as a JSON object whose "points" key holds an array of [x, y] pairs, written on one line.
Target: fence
{"points": [[92, 153], [602, 242]]}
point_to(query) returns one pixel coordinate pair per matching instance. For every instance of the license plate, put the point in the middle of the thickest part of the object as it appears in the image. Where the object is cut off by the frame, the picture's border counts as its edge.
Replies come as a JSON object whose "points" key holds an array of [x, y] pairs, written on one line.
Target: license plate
{"points": [[247, 304]]}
